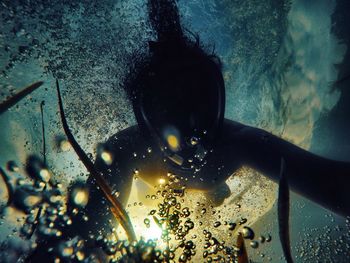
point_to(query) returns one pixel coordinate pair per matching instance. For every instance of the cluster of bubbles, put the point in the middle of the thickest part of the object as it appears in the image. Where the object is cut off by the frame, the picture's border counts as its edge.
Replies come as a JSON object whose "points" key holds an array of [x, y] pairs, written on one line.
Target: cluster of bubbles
{"points": [[173, 219], [181, 226], [50, 210], [218, 251]]}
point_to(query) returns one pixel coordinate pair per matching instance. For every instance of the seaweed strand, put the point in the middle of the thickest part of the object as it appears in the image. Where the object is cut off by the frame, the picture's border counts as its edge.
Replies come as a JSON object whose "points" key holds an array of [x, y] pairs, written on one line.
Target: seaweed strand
{"points": [[283, 213], [4, 106], [117, 209]]}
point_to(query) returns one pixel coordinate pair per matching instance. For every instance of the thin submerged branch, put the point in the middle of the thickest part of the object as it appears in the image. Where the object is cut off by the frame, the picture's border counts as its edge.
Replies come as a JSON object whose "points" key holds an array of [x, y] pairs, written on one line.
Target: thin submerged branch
{"points": [[283, 213], [116, 208], [243, 255], [4, 106]]}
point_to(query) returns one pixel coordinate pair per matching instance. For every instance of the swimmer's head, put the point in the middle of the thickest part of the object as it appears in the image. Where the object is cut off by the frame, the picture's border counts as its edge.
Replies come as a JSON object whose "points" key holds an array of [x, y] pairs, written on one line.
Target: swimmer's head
{"points": [[178, 97]]}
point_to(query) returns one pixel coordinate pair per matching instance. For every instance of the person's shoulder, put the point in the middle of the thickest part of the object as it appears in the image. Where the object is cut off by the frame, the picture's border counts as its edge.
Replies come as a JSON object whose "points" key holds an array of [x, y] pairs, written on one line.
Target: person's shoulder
{"points": [[233, 129], [126, 134], [125, 139], [232, 126]]}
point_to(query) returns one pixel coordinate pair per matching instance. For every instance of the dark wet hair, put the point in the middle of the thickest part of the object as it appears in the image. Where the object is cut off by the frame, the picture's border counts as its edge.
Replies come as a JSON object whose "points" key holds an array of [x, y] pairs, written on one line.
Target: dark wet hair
{"points": [[178, 82], [178, 75], [185, 52]]}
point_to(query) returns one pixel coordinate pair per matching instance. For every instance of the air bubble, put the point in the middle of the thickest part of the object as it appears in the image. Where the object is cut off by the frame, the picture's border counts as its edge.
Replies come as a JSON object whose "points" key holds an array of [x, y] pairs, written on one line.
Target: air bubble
{"points": [[247, 232]]}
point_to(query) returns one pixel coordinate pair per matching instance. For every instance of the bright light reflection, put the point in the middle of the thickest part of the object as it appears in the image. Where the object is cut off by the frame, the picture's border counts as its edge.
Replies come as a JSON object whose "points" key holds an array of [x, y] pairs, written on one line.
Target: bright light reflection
{"points": [[173, 142], [153, 232], [107, 157], [139, 213]]}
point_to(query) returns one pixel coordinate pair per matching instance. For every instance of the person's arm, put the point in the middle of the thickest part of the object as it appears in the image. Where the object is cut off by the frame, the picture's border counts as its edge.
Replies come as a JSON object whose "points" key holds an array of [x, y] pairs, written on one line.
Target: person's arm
{"points": [[319, 179]]}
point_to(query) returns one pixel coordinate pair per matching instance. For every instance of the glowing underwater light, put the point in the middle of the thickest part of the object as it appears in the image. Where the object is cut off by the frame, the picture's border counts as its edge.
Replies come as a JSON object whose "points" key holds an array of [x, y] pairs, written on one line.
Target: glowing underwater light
{"points": [[151, 231]]}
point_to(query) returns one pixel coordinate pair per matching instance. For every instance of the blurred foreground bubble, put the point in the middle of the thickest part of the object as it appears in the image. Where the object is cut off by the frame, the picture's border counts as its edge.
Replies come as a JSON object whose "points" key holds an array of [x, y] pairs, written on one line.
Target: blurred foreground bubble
{"points": [[79, 195], [105, 154], [37, 169], [26, 198], [62, 143], [12, 166]]}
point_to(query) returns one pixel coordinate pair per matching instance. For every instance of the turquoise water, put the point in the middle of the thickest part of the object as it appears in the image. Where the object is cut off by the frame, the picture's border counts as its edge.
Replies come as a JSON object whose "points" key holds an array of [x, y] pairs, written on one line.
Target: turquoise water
{"points": [[279, 63]]}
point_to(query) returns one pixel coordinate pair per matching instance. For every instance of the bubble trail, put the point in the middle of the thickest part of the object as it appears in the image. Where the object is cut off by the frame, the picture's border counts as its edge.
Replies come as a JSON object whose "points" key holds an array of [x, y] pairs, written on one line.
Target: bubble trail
{"points": [[4, 106], [283, 213], [116, 208]]}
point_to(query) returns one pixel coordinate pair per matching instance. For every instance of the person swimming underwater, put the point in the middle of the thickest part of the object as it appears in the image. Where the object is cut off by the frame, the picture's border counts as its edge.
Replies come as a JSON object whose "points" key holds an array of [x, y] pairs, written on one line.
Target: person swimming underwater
{"points": [[178, 97]]}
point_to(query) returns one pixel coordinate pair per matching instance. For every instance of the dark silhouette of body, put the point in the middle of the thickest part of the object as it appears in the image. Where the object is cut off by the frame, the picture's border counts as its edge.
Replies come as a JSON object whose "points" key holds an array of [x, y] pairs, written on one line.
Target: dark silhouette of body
{"points": [[178, 98]]}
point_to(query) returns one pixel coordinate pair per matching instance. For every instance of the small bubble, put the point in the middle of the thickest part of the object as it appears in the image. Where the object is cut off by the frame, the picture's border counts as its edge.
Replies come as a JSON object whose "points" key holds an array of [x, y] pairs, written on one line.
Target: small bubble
{"points": [[243, 221], [217, 224], [146, 221], [232, 226], [194, 141], [189, 224], [116, 193], [254, 244], [153, 212], [186, 211], [268, 238], [262, 239]]}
